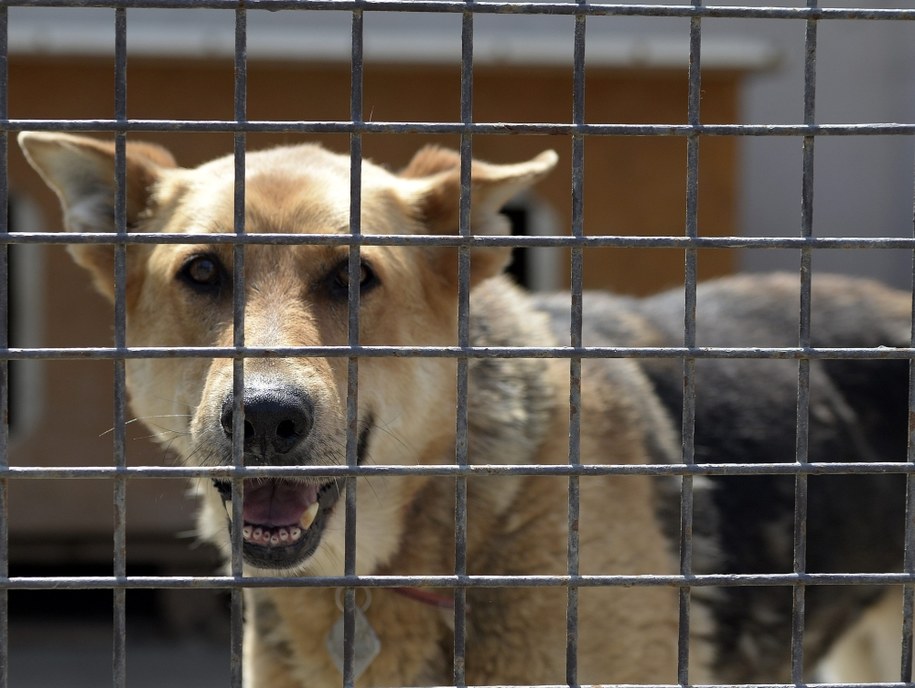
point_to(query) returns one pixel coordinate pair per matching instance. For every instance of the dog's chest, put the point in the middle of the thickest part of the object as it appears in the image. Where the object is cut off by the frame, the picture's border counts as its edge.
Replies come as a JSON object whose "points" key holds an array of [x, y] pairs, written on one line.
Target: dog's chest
{"points": [[293, 628]]}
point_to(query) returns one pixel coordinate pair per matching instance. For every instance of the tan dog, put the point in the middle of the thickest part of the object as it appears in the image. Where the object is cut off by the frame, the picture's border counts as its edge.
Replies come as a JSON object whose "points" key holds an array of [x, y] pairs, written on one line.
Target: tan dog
{"points": [[295, 414]]}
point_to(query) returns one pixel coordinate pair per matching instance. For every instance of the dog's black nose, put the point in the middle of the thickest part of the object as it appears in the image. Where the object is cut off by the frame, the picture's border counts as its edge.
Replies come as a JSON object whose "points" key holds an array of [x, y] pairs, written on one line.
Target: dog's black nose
{"points": [[276, 420]]}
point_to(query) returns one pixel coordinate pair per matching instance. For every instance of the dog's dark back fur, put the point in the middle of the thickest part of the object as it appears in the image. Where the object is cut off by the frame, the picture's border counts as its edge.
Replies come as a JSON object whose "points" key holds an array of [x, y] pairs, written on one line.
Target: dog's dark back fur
{"points": [[746, 413]]}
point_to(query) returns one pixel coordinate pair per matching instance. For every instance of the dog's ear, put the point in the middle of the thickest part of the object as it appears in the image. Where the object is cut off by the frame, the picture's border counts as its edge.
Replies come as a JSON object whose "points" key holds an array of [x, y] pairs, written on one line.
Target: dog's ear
{"points": [[437, 204], [81, 171]]}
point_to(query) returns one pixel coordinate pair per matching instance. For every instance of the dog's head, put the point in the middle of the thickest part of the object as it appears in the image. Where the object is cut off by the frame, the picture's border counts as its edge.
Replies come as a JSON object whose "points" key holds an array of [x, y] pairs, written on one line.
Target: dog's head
{"points": [[295, 408]]}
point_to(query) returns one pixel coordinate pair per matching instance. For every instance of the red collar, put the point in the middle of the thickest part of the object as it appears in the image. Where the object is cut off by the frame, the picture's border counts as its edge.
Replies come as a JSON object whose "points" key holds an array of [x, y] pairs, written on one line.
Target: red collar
{"points": [[428, 596]]}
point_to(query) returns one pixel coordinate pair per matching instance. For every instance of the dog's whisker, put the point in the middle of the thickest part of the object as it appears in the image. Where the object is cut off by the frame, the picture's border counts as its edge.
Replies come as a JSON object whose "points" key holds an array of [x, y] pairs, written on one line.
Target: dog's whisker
{"points": [[148, 420]]}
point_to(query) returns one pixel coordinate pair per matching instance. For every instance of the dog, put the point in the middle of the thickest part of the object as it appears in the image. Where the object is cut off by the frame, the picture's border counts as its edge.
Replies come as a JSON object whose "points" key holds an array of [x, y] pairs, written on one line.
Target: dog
{"points": [[518, 410]]}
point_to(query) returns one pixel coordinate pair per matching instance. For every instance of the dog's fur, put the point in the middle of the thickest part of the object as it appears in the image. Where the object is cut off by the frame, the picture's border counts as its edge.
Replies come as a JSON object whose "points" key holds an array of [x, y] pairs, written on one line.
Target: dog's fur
{"points": [[518, 413]]}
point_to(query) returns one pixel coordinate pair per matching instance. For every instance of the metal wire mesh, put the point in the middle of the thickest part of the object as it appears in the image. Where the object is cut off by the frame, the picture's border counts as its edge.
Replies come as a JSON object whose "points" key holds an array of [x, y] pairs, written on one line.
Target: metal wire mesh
{"points": [[578, 130]]}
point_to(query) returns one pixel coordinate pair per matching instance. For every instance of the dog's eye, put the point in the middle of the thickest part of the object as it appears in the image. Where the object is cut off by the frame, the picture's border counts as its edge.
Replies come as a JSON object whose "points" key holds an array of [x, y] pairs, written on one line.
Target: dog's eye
{"points": [[340, 279], [203, 272]]}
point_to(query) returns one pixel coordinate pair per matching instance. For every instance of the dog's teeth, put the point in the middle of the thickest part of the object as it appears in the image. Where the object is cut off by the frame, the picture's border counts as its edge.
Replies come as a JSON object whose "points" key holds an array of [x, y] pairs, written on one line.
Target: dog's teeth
{"points": [[274, 539], [246, 532], [309, 516], [295, 533], [284, 534]]}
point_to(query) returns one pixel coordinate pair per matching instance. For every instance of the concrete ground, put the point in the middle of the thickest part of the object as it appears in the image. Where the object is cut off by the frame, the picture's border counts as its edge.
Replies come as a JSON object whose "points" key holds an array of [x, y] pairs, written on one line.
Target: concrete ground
{"points": [[60, 638], [64, 639], [74, 654]]}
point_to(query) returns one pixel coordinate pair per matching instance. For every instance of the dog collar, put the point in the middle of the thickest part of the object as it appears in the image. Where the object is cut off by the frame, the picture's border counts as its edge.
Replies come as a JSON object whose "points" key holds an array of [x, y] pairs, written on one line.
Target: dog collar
{"points": [[429, 597]]}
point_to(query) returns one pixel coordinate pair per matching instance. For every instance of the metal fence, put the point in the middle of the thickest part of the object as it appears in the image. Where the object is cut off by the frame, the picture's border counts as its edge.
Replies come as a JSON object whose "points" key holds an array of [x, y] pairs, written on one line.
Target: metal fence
{"points": [[578, 130]]}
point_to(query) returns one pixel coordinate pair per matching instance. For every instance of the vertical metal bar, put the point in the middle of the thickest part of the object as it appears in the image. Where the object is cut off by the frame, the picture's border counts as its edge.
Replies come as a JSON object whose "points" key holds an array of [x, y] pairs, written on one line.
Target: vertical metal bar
{"points": [[119, 658], [352, 396], [4, 362], [688, 421], [908, 591], [238, 341], [575, 340], [461, 441], [803, 383]]}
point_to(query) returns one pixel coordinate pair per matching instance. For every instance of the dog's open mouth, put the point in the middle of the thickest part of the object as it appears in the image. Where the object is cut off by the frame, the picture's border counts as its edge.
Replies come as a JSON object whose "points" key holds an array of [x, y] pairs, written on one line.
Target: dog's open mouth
{"points": [[283, 519]]}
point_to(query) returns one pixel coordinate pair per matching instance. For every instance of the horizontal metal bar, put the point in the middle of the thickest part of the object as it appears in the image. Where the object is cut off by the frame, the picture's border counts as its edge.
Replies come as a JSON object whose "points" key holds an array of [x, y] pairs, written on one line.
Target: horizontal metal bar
{"points": [[453, 240], [701, 685], [489, 128], [450, 581], [564, 352], [698, 685], [457, 470], [525, 8]]}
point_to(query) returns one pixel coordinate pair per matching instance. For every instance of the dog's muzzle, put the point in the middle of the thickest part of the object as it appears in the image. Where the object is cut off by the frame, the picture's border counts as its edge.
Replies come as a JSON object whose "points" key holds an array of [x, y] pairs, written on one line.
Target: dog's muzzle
{"points": [[283, 518]]}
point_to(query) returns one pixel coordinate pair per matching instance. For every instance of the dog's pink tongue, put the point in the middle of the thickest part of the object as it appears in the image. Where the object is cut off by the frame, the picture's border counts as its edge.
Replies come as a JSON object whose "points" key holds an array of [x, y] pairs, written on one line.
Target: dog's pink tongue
{"points": [[277, 503]]}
